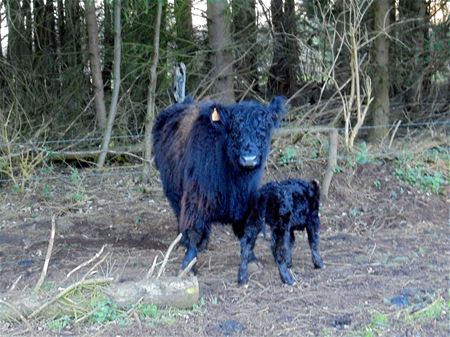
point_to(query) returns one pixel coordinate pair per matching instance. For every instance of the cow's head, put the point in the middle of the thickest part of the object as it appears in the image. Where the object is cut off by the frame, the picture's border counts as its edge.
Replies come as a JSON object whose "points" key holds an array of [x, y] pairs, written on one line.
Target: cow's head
{"points": [[248, 127]]}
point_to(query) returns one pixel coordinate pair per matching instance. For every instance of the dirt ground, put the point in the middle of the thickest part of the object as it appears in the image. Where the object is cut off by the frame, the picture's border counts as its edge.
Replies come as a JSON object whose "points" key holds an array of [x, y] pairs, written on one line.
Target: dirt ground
{"points": [[385, 247]]}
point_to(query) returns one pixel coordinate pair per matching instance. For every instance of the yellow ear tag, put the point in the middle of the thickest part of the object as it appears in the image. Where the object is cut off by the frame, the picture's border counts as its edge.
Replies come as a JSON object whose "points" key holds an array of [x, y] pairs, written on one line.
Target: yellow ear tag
{"points": [[215, 115]]}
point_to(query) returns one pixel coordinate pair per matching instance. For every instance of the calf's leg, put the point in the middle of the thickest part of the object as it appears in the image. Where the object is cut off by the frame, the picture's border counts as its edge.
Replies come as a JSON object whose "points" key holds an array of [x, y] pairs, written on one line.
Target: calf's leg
{"points": [[281, 250], [313, 230]]}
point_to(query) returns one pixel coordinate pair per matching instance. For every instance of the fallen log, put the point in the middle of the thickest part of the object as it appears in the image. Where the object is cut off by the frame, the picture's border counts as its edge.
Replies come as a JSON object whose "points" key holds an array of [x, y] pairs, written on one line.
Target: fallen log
{"points": [[163, 292]]}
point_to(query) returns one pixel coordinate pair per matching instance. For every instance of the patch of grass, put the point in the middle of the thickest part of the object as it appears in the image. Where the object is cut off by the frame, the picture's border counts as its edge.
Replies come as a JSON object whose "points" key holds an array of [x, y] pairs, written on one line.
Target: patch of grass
{"points": [[75, 177], [76, 180], [423, 250], [47, 192], [103, 311], [47, 286], [378, 323], [289, 155], [425, 171], [377, 184], [418, 176], [16, 189], [59, 323], [362, 154], [430, 312], [380, 320], [354, 212], [78, 196], [148, 311], [199, 307]]}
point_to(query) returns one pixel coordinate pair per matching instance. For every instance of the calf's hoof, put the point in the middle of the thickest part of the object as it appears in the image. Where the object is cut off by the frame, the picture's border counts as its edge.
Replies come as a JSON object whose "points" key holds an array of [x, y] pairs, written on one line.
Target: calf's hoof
{"points": [[286, 277], [317, 261], [242, 279]]}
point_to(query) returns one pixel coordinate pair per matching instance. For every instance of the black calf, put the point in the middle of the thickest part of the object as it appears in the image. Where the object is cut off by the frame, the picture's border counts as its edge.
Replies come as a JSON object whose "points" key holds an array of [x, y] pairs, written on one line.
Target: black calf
{"points": [[285, 206]]}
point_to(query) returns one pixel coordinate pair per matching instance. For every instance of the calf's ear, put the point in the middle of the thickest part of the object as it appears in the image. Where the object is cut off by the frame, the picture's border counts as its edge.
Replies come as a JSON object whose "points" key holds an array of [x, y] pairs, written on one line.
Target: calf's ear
{"points": [[278, 108]]}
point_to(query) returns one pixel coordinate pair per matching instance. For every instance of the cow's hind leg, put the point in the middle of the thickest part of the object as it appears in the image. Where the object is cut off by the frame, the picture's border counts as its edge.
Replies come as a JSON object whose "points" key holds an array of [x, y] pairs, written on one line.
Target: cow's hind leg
{"points": [[193, 238]]}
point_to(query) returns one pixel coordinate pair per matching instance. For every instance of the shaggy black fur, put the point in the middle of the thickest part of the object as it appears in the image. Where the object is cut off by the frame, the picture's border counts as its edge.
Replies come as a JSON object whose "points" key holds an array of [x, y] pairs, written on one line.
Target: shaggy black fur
{"points": [[285, 206], [211, 159]]}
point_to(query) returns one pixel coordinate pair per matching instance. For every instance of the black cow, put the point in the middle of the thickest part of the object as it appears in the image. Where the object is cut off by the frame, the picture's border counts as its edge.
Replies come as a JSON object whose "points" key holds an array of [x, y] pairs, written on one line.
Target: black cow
{"points": [[211, 159], [285, 206]]}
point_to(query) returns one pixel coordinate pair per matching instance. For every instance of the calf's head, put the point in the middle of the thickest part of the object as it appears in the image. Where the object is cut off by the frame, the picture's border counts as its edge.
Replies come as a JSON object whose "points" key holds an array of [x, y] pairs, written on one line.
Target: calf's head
{"points": [[248, 128]]}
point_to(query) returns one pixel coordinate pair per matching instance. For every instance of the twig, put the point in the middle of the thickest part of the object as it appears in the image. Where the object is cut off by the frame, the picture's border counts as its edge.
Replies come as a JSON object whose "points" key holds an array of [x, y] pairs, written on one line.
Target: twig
{"points": [[49, 254], [95, 266], [18, 313], [84, 264], [373, 251], [82, 318], [152, 269], [14, 285], [394, 133], [136, 318], [67, 290], [166, 257], [188, 268], [331, 165]]}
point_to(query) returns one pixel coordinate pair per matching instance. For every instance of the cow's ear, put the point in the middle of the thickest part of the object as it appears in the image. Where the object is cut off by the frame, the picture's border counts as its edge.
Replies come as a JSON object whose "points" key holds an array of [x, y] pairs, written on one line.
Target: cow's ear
{"points": [[278, 108]]}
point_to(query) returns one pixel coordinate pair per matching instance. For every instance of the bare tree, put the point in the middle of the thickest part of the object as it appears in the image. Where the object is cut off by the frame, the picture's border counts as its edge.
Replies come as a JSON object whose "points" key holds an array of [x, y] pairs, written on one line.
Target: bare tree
{"points": [[379, 109], [152, 94], [353, 38], [220, 43], [95, 63], [116, 80]]}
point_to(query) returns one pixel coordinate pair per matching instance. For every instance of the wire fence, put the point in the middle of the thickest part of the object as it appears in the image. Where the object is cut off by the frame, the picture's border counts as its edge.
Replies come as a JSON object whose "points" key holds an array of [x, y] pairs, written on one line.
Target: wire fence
{"points": [[283, 160], [133, 171], [140, 136]]}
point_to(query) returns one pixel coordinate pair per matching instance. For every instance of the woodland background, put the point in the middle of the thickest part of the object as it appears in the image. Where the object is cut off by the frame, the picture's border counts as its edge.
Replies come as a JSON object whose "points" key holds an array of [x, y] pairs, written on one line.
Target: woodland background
{"points": [[342, 63]]}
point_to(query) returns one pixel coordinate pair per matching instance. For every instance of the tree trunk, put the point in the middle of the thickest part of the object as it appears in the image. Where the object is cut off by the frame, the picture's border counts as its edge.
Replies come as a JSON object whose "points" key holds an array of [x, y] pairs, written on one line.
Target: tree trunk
{"points": [[72, 35], [50, 28], [184, 27], [220, 43], [117, 81], [244, 38], [96, 71], [291, 47], [152, 95], [1, 44], [379, 108], [39, 25], [278, 82], [415, 53], [16, 32], [108, 42], [28, 24]]}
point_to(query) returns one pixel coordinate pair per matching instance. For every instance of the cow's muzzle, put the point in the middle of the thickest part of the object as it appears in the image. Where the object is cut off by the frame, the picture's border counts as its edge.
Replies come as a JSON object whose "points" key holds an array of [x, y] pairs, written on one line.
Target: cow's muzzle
{"points": [[249, 161]]}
